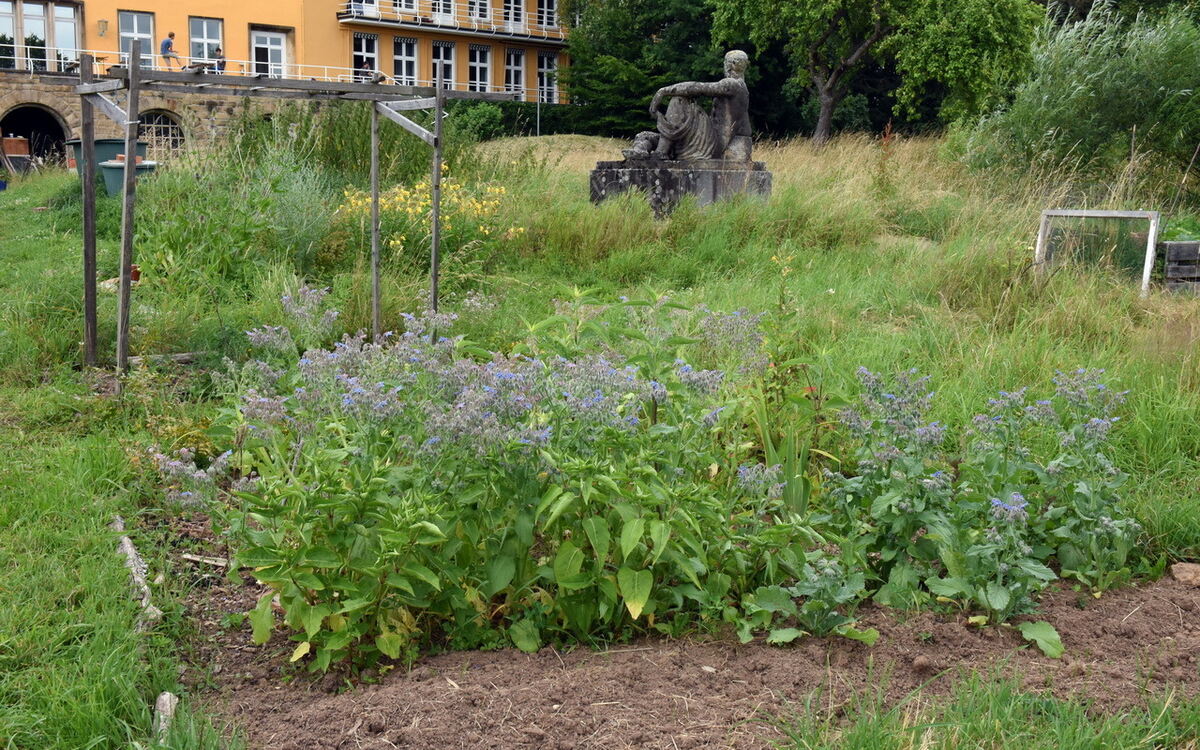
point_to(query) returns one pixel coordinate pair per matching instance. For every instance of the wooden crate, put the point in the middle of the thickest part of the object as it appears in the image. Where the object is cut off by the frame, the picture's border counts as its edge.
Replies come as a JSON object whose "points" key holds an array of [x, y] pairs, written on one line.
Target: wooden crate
{"points": [[1182, 266]]}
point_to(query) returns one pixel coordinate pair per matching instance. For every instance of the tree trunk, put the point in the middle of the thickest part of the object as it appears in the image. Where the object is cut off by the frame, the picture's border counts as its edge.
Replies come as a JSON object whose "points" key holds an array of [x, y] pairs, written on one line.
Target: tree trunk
{"points": [[825, 119]]}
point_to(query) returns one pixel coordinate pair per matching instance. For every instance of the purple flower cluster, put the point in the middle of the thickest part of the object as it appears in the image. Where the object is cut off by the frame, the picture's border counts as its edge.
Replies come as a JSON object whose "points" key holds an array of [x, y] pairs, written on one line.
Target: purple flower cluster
{"points": [[188, 484], [760, 480], [736, 336], [276, 338], [1083, 390], [1011, 511], [893, 414], [702, 381]]}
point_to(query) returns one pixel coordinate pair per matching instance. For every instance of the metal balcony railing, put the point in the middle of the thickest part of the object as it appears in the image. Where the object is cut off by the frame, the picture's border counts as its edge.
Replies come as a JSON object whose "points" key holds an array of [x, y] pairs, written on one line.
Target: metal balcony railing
{"points": [[65, 61], [461, 16]]}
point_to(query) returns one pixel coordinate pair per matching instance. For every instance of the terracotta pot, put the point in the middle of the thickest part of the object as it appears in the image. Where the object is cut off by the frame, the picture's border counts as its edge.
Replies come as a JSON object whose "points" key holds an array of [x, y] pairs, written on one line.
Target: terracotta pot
{"points": [[121, 157], [135, 273]]}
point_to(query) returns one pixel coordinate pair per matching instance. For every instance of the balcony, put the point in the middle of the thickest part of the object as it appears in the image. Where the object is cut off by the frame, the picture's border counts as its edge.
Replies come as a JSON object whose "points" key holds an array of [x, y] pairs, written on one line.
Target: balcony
{"points": [[458, 17]]}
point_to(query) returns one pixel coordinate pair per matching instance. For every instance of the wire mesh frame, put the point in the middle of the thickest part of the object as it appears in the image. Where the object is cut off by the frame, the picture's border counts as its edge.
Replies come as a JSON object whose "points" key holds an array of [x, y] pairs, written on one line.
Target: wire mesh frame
{"points": [[1042, 254]]}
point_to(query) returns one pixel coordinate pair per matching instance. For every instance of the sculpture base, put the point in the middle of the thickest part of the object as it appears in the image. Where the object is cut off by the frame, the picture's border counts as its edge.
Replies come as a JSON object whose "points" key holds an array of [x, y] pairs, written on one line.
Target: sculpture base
{"points": [[666, 182]]}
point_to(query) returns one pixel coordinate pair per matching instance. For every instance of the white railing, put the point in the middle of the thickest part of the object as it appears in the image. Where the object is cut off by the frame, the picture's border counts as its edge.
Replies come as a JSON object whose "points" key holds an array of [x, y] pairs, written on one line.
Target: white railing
{"points": [[66, 61], [531, 25]]}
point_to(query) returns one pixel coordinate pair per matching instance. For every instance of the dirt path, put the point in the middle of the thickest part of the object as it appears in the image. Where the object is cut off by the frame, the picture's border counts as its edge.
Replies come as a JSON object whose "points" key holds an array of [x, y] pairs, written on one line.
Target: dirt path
{"points": [[1125, 647]]}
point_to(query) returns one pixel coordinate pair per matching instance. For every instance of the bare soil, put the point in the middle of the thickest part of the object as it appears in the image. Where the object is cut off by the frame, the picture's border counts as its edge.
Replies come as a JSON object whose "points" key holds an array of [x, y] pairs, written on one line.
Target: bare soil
{"points": [[1124, 648]]}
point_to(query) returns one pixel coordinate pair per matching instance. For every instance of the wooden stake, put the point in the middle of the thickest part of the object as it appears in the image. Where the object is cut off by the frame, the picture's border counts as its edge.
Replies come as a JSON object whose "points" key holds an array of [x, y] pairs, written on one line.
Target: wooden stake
{"points": [[376, 304], [137, 576], [87, 137], [436, 184], [128, 195]]}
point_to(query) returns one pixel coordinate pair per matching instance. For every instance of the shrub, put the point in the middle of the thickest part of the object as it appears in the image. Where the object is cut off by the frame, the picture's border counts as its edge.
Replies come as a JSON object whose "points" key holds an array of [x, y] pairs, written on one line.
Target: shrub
{"points": [[1100, 87]]}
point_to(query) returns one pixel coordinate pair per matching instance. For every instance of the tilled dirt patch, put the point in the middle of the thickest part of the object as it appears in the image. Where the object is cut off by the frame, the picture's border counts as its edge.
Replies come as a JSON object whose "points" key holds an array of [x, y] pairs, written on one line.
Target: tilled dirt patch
{"points": [[1122, 649]]}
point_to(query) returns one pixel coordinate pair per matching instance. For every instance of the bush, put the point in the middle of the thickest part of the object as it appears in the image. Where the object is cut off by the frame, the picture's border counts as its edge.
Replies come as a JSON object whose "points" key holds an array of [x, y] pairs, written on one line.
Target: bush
{"points": [[1100, 87]]}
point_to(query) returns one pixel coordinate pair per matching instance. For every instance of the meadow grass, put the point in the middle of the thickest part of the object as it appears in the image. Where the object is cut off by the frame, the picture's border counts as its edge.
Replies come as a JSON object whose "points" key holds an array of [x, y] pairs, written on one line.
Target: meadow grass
{"points": [[986, 712], [891, 258]]}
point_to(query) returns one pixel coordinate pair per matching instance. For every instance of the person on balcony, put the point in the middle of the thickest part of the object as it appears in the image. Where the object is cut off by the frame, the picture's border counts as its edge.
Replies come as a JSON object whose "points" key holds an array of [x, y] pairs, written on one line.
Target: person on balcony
{"points": [[166, 50], [218, 60]]}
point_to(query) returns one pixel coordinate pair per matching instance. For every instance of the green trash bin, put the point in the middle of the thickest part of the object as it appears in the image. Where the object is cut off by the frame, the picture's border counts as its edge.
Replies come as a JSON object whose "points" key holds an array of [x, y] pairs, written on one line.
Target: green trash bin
{"points": [[106, 150]]}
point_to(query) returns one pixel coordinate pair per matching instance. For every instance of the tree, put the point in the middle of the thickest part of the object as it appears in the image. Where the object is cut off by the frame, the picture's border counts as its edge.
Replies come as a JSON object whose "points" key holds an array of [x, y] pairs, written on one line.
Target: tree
{"points": [[975, 49], [622, 51]]}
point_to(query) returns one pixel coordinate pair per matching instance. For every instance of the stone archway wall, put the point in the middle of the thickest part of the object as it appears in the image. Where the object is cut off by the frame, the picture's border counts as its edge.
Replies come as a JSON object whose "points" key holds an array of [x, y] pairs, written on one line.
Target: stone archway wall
{"points": [[202, 117]]}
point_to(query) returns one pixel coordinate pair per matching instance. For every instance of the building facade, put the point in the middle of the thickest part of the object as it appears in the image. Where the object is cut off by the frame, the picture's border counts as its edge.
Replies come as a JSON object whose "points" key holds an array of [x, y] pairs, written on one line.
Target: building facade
{"points": [[477, 45]]}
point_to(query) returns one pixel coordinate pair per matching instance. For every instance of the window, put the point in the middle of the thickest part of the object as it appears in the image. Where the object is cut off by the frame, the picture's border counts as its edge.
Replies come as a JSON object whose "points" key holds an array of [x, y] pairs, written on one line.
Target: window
{"points": [[547, 77], [66, 35], [364, 8], [404, 54], [205, 36], [478, 9], [139, 26], [514, 70], [409, 6], [514, 13], [162, 131], [8, 35], [479, 67], [443, 11], [366, 57], [33, 16], [269, 52], [547, 12], [443, 63]]}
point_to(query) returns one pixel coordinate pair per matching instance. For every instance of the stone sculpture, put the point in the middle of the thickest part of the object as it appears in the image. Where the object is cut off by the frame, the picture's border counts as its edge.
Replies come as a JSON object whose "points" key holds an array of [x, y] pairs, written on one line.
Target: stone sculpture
{"points": [[693, 151], [686, 131]]}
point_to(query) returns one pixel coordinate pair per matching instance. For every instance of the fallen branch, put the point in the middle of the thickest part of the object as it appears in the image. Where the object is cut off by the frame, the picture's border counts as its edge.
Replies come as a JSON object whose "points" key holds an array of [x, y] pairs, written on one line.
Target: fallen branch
{"points": [[137, 574], [220, 562], [183, 358]]}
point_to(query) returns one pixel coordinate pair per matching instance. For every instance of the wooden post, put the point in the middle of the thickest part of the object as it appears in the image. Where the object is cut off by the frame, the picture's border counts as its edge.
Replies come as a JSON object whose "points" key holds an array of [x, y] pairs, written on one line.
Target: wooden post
{"points": [[1151, 253], [376, 311], [87, 137], [127, 199], [436, 184]]}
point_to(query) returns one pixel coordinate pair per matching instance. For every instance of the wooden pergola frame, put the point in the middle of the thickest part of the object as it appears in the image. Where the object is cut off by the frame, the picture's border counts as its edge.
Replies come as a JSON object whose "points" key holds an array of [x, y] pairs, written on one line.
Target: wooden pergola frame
{"points": [[389, 101]]}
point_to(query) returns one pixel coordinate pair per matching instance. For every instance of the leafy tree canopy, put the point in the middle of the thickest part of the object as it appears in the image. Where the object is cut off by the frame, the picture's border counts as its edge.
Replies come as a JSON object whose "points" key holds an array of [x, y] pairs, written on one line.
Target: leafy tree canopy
{"points": [[975, 50]]}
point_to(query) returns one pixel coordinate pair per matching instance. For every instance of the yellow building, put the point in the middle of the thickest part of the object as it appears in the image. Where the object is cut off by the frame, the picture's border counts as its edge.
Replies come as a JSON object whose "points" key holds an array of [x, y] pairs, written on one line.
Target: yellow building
{"points": [[479, 45]]}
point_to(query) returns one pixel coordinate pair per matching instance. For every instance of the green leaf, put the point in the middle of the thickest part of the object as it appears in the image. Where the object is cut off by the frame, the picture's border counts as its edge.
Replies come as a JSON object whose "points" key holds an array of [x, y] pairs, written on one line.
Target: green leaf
{"points": [[780, 636], [549, 496], [500, 572], [525, 636], [262, 619], [631, 534], [950, 587], [997, 597], [868, 636], [308, 580], [774, 599], [1037, 570], [320, 557], [598, 536], [428, 533], [567, 564], [1045, 636], [417, 570], [300, 652], [389, 644], [635, 587], [258, 557], [660, 532], [397, 581], [313, 618]]}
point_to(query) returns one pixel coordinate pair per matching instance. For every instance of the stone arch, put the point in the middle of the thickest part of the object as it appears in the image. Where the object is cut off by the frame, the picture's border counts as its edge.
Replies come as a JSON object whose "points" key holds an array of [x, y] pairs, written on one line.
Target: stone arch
{"points": [[60, 103], [45, 128]]}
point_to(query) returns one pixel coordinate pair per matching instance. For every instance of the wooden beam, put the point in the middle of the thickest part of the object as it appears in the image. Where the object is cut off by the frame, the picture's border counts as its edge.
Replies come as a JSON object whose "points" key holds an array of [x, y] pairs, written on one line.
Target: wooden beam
{"points": [[376, 305], [401, 105], [382, 90], [505, 96], [87, 171], [98, 87], [209, 89], [128, 195], [435, 223], [111, 110], [406, 123]]}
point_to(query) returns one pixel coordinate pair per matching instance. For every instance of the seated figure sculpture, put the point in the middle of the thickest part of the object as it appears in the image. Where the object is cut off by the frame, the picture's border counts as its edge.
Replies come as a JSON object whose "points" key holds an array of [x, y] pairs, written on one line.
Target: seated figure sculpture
{"points": [[687, 132]]}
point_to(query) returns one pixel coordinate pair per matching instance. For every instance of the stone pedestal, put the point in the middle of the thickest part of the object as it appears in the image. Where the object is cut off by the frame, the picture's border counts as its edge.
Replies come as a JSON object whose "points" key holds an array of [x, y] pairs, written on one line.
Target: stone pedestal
{"points": [[666, 182]]}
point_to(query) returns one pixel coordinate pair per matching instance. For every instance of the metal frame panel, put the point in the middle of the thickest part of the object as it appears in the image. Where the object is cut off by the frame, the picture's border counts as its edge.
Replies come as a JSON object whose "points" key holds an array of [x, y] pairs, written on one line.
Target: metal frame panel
{"points": [[1041, 252]]}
